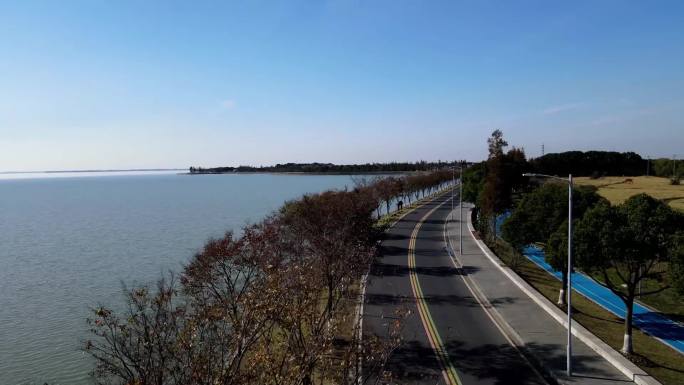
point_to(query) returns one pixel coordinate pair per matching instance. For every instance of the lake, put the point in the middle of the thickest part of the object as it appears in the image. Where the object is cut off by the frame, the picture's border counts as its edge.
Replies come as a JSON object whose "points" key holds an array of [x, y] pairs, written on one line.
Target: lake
{"points": [[69, 242]]}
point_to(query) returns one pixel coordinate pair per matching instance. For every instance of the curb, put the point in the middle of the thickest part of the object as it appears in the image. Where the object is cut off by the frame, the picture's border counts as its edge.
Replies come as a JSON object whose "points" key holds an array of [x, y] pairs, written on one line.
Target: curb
{"points": [[625, 366]]}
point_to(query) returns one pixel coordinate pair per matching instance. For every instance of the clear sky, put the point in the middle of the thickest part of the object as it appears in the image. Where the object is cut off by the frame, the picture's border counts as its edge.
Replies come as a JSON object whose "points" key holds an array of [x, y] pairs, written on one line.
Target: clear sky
{"points": [[115, 84]]}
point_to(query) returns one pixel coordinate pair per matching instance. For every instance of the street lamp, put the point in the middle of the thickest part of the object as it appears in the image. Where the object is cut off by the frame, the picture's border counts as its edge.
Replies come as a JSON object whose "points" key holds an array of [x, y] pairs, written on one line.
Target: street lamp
{"points": [[569, 274], [460, 204], [460, 210], [453, 185]]}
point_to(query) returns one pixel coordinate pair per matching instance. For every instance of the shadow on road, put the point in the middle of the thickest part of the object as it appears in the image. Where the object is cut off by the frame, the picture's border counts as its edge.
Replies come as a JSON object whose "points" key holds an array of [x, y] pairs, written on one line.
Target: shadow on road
{"points": [[380, 269], [434, 300], [416, 362], [425, 222], [394, 237]]}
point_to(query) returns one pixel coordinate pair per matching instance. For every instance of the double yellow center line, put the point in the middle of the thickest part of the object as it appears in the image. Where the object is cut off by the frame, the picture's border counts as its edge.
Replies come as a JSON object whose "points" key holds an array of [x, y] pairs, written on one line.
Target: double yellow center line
{"points": [[448, 371]]}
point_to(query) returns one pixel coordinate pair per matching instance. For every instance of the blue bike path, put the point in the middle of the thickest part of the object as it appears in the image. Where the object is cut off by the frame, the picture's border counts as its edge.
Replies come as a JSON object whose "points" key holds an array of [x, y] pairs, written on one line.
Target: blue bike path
{"points": [[651, 322], [666, 330]]}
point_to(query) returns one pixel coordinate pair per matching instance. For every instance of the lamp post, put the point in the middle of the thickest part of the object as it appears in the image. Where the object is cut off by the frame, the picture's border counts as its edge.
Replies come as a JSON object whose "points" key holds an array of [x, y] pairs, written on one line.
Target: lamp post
{"points": [[453, 186], [460, 203], [460, 211], [569, 273]]}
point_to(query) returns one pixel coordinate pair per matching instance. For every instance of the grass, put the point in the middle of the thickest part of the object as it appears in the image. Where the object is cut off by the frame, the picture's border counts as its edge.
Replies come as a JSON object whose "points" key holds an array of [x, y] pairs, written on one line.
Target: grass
{"points": [[616, 190], [386, 220], [660, 361], [668, 301], [349, 306]]}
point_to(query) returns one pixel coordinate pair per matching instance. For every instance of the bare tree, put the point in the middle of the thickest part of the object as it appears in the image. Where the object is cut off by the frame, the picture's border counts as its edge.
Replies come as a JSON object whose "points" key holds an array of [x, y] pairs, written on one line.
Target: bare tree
{"points": [[272, 306]]}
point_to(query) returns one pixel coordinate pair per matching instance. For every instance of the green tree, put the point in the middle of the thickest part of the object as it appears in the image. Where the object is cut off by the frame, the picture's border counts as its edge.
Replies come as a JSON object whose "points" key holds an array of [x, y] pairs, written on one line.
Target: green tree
{"points": [[473, 181], [677, 262], [515, 164], [628, 243], [496, 144], [503, 179], [556, 254], [541, 217], [494, 198]]}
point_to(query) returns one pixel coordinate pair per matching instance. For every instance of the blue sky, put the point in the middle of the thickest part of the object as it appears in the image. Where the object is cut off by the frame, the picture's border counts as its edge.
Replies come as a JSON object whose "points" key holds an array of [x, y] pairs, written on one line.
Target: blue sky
{"points": [[98, 84]]}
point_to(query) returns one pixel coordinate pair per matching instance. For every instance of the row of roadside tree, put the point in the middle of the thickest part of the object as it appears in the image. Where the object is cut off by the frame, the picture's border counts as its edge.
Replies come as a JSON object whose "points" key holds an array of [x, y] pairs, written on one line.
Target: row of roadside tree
{"points": [[272, 305], [620, 245], [389, 190]]}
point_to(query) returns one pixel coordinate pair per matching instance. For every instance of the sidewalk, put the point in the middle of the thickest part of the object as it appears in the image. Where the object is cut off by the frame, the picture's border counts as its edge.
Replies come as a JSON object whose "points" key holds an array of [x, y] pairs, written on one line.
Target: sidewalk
{"points": [[537, 331]]}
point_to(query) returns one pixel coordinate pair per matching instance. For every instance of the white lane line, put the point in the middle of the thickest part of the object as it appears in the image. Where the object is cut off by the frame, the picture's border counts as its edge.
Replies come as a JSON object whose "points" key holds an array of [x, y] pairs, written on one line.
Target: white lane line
{"points": [[486, 306]]}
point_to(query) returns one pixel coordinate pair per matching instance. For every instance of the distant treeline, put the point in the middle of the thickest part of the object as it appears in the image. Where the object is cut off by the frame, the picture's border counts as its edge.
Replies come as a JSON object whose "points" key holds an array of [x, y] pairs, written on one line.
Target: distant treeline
{"points": [[601, 163], [330, 167], [590, 163]]}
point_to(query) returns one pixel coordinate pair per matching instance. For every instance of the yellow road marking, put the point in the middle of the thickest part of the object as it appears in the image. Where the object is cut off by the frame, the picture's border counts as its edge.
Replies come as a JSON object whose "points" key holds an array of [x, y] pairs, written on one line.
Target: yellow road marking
{"points": [[448, 371]]}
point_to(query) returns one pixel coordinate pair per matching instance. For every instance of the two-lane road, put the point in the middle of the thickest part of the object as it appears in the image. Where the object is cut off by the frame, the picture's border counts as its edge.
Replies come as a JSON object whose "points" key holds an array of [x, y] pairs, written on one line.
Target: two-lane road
{"points": [[448, 338]]}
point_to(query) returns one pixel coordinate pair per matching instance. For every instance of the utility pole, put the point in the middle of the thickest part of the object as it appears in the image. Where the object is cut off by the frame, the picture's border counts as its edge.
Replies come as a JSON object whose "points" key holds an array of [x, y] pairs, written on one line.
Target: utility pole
{"points": [[542, 149], [648, 166], [569, 353], [674, 166]]}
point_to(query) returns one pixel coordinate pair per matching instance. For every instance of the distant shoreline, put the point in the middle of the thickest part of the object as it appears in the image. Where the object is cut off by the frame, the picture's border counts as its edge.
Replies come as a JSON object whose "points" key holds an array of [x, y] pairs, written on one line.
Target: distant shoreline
{"points": [[331, 168], [79, 171], [302, 172]]}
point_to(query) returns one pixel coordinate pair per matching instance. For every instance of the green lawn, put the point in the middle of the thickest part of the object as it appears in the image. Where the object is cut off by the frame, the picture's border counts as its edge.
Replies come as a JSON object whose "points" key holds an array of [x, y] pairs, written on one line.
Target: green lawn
{"points": [[668, 302]]}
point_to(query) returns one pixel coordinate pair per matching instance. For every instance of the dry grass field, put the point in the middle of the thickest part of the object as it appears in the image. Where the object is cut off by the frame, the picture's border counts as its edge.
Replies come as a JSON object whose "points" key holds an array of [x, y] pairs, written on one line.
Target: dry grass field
{"points": [[618, 188]]}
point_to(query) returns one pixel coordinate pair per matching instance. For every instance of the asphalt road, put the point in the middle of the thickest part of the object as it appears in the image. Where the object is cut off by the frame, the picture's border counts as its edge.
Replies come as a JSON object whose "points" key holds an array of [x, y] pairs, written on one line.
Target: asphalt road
{"points": [[448, 338]]}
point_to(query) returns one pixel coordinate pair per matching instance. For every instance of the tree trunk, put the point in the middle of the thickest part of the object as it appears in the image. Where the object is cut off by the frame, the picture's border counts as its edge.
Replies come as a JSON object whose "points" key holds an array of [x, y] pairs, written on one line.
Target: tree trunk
{"points": [[561, 297], [627, 340], [564, 285], [329, 304], [387, 202]]}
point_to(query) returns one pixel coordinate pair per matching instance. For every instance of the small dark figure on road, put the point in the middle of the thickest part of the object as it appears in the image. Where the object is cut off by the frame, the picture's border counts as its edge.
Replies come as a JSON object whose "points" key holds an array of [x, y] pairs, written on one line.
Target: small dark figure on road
{"points": [[400, 205]]}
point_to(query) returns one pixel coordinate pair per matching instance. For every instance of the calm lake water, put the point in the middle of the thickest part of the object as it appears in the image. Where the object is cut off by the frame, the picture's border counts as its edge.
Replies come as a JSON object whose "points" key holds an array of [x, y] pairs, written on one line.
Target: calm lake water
{"points": [[68, 243]]}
